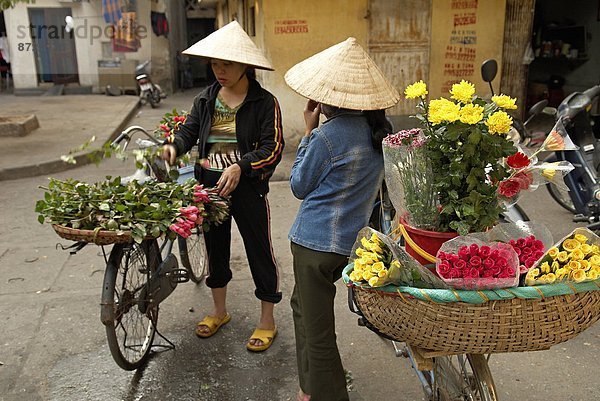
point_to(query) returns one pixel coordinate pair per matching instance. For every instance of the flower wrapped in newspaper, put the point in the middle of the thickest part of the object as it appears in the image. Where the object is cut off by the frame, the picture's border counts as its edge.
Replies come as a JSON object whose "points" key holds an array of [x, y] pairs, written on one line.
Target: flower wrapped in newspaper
{"points": [[575, 258], [378, 260], [467, 263]]}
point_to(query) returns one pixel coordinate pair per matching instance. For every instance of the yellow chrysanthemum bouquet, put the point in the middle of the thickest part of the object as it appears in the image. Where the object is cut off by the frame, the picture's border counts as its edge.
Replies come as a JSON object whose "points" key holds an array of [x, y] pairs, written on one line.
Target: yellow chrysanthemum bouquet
{"points": [[575, 258], [466, 143]]}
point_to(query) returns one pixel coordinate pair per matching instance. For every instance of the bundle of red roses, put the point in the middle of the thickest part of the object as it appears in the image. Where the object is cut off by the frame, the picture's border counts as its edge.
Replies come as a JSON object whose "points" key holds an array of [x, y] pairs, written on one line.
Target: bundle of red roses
{"points": [[479, 266], [529, 249], [525, 173], [520, 179]]}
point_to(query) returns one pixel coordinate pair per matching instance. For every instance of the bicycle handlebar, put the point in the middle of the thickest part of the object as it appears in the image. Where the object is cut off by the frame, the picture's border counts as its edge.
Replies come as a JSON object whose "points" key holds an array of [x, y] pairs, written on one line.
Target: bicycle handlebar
{"points": [[127, 134]]}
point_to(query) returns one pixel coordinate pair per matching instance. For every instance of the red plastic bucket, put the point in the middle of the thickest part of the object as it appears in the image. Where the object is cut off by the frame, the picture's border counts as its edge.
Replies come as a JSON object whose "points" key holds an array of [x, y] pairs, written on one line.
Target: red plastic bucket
{"points": [[429, 241]]}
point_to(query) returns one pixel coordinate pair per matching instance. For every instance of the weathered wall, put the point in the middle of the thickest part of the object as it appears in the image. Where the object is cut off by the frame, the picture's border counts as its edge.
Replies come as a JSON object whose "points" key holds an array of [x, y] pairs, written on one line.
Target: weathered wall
{"points": [[292, 31]]}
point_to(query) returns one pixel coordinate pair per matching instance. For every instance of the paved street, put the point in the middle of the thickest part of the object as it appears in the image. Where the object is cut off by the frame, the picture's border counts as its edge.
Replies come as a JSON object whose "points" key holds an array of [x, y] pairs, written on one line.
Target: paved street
{"points": [[54, 346]]}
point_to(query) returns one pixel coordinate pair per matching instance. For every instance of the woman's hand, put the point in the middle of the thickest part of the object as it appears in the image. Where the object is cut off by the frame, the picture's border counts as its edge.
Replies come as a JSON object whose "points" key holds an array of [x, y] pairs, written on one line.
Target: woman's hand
{"points": [[169, 153], [229, 180], [311, 116]]}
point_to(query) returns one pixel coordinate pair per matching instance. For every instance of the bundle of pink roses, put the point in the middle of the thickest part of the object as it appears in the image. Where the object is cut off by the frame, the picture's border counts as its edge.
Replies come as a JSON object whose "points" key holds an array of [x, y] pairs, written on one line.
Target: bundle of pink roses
{"points": [[170, 123], [479, 267], [189, 218], [208, 207]]}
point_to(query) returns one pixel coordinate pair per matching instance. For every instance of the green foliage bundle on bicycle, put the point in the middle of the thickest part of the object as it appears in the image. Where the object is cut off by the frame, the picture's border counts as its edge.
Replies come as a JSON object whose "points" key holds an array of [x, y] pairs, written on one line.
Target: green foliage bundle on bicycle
{"points": [[151, 209]]}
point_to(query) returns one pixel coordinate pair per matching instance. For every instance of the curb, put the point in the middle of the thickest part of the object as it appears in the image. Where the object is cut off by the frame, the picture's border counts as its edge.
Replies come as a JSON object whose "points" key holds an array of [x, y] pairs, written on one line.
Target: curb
{"points": [[57, 166]]}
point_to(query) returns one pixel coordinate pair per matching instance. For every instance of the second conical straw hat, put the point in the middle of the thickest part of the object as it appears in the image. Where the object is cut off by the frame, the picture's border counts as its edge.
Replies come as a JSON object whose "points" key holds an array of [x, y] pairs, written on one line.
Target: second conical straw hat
{"points": [[344, 76], [230, 43]]}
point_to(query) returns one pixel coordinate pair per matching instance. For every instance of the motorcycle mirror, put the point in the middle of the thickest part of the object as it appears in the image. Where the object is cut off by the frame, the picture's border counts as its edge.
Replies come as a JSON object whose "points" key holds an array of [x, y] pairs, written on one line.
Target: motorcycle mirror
{"points": [[489, 69], [536, 109]]}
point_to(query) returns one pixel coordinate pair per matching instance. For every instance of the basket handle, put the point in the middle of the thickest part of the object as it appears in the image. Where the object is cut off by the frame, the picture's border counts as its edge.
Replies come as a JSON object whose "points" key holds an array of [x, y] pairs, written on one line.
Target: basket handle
{"points": [[420, 251]]}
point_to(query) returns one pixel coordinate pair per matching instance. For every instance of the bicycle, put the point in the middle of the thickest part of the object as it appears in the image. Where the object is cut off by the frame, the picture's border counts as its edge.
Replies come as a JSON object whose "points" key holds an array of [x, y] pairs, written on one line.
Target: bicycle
{"points": [[444, 377], [139, 276]]}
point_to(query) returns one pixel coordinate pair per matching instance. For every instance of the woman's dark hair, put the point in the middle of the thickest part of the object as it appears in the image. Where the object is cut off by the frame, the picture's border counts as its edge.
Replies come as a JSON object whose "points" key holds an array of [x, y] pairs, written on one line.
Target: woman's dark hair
{"points": [[380, 127], [251, 73]]}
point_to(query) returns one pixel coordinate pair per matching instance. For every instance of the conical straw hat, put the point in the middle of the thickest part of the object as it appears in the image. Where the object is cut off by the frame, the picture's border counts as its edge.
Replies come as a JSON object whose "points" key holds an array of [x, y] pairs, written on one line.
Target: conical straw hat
{"points": [[344, 76], [230, 43]]}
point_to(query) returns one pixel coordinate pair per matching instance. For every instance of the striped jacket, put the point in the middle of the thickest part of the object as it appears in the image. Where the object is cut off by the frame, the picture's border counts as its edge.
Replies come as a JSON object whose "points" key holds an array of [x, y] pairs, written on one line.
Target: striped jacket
{"points": [[259, 131]]}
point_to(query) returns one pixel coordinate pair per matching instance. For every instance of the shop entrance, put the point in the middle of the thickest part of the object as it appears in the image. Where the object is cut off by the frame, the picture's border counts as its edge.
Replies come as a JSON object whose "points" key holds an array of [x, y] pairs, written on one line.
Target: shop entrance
{"points": [[564, 59]]}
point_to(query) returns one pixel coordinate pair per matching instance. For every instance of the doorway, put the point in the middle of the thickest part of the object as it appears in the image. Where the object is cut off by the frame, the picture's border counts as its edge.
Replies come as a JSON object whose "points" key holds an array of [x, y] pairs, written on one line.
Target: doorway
{"points": [[564, 59], [197, 29], [54, 48]]}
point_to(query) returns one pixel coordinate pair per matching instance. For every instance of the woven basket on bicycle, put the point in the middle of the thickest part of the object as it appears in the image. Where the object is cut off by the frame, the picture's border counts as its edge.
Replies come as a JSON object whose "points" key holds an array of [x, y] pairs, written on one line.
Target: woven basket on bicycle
{"points": [[98, 237], [479, 322]]}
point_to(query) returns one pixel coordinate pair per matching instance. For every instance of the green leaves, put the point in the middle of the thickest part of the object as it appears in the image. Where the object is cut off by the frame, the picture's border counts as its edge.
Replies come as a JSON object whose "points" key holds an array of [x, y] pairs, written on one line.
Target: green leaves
{"points": [[147, 209]]}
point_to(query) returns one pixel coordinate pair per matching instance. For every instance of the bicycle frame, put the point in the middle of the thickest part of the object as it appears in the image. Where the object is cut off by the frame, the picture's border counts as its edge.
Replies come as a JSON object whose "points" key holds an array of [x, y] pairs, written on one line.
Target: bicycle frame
{"points": [[450, 376], [425, 377]]}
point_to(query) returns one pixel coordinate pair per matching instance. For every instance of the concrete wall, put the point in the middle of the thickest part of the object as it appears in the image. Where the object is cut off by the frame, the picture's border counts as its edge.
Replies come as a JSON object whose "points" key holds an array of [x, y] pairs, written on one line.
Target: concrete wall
{"points": [[88, 50]]}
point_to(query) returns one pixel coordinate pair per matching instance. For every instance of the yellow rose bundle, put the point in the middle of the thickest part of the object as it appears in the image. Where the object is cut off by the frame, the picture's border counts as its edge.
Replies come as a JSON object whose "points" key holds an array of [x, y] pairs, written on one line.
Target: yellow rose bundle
{"points": [[576, 258], [373, 262], [378, 260]]}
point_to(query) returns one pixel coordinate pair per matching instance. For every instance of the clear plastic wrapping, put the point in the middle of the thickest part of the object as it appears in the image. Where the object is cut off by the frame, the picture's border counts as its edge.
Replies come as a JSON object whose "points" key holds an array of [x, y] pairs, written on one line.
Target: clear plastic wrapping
{"points": [[574, 258], [379, 260], [467, 263]]}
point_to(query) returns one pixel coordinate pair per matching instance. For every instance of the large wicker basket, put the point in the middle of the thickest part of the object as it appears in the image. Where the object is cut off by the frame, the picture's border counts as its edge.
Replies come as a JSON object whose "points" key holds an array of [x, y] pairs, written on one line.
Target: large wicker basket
{"points": [[99, 237], [501, 325], [510, 325]]}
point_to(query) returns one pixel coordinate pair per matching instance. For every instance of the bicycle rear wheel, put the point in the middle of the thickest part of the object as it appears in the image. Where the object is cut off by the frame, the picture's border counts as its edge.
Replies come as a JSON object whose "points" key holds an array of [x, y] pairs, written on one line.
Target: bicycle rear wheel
{"points": [[129, 319], [463, 377], [193, 255]]}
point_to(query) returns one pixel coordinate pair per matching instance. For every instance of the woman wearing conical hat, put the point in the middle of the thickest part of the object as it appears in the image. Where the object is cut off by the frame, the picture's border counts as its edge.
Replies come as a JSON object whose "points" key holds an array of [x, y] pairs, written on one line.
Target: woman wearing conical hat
{"points": [[237, 127], [337, 173]]}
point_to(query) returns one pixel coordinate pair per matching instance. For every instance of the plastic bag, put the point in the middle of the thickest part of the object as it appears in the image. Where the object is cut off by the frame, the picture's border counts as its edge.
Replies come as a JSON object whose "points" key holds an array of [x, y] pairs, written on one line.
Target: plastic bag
{"points": [[468, 263], [530, 240], [379, 260], [575, 258]]}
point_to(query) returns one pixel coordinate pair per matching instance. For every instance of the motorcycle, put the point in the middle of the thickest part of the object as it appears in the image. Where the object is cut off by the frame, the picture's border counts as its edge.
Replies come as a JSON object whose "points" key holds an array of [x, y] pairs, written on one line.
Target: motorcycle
{"points": [[583, 195], [149, 92]]}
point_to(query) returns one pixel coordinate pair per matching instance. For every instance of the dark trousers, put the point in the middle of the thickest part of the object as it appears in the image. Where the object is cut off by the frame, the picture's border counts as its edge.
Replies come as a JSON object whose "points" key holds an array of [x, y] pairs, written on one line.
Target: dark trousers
{"points": [[252, 217], [320, 368]]}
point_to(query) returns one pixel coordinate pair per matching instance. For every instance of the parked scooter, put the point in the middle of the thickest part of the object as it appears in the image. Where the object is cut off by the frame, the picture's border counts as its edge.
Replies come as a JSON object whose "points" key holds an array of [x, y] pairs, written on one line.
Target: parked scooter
{"points": [[583, 196], [149, 91]]}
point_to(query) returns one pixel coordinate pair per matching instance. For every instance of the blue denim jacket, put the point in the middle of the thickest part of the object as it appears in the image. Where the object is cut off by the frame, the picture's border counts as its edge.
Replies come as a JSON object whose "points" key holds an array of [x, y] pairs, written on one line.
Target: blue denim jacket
{"points": [[337, 174]]}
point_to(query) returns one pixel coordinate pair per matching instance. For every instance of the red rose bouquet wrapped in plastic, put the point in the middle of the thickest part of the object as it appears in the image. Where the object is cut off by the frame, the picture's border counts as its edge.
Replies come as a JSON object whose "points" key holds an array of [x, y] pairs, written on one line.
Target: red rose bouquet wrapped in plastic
{"points": [[469, 264]]}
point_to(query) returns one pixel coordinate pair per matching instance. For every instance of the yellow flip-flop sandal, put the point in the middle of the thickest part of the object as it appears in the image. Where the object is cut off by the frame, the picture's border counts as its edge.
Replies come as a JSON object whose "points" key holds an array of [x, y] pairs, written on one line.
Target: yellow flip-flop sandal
{"points": [[213, 323], [264, 335]]}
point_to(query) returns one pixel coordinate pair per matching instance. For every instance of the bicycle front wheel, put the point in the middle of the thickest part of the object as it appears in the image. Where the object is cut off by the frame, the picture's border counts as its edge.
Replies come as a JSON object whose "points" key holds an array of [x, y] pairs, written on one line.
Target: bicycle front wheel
{"points": [[193, 255], [463, 377], [129, 319]]}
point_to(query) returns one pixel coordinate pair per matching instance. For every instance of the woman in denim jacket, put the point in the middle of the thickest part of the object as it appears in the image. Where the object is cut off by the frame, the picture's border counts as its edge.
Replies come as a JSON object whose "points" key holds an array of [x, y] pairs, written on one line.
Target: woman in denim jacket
{"points": [[337, 173]]}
